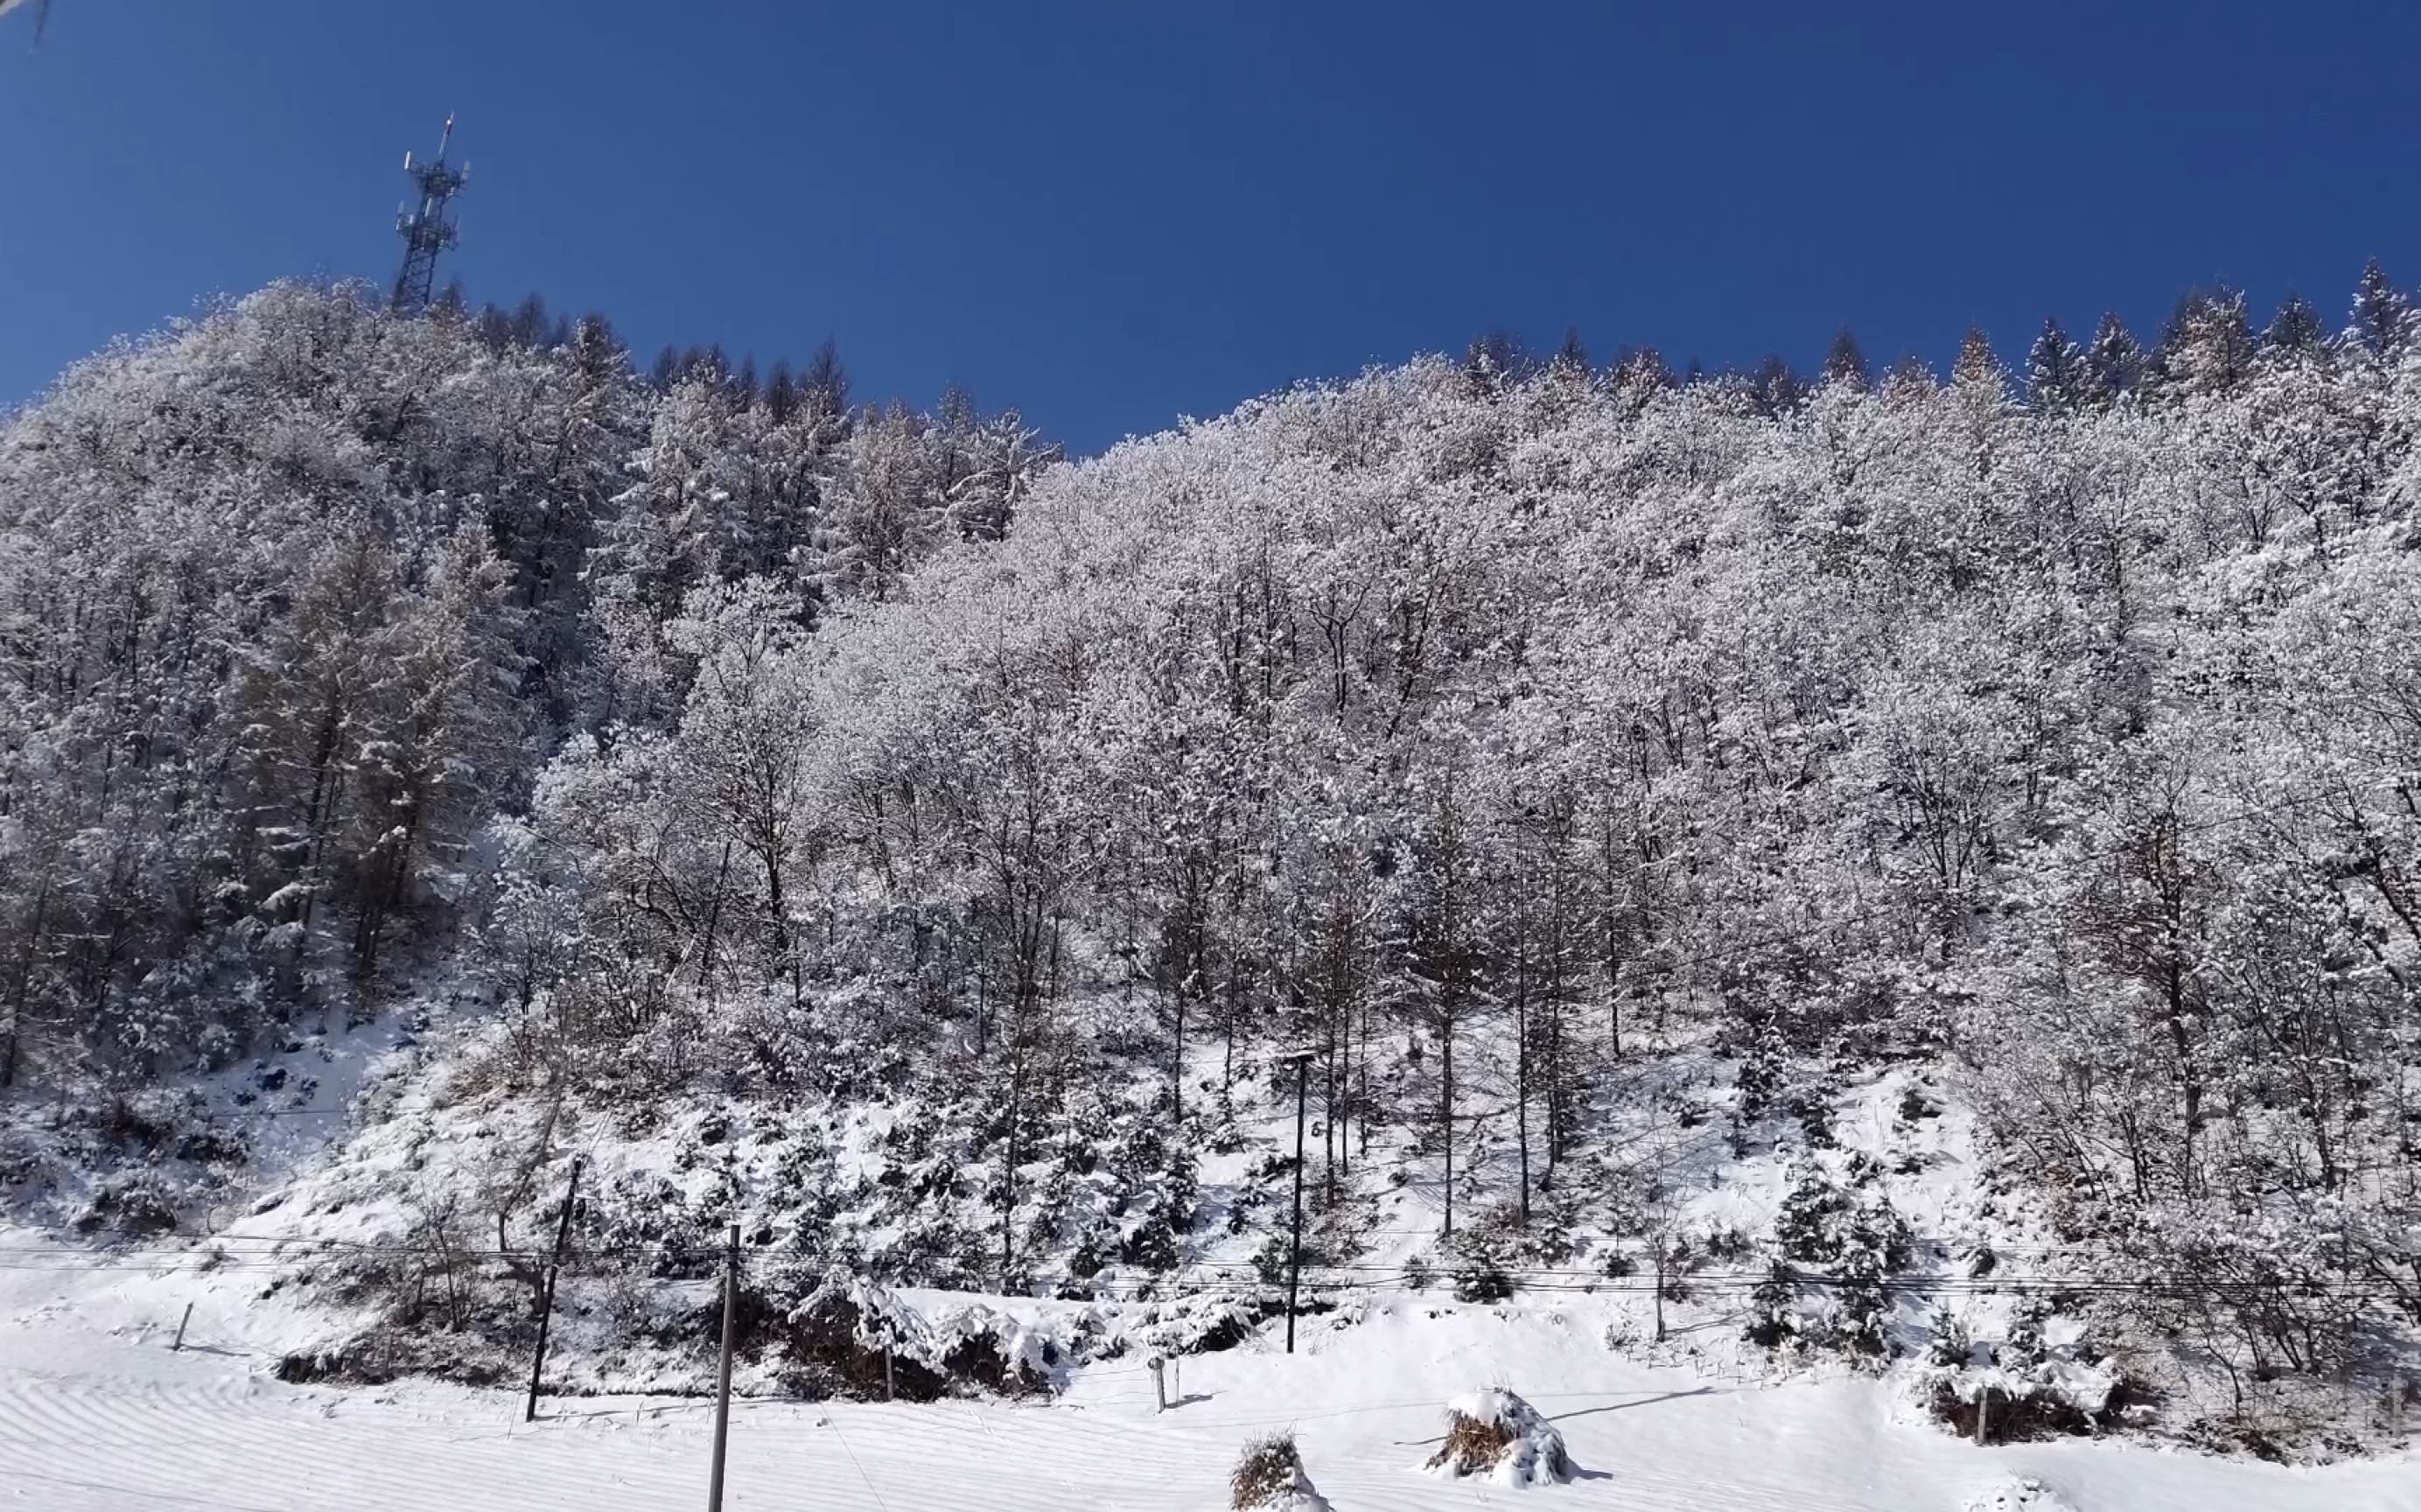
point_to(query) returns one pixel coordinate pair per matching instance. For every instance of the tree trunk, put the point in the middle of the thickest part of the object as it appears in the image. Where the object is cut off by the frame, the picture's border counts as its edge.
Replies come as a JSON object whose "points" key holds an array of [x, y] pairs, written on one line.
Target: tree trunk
{"points": [[714, 915], [1227, 1069], [774, 904], [1522, 1067], [23, 996], [1008, 1163], [1445, 1089]]}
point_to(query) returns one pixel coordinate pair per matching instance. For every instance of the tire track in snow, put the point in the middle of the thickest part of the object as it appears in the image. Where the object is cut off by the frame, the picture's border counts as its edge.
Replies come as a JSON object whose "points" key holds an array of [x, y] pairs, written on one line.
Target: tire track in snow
{"points": [[229, 1445], [189, 1440]]}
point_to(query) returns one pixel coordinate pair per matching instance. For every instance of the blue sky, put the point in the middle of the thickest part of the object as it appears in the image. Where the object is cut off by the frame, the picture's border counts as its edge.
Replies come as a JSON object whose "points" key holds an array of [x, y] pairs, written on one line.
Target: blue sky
{"points": [[1114, 215]]}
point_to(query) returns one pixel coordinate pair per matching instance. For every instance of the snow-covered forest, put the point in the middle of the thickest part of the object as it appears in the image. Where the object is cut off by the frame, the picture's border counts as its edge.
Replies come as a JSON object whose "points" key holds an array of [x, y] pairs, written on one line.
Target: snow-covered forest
{"points": [[858, 825]]}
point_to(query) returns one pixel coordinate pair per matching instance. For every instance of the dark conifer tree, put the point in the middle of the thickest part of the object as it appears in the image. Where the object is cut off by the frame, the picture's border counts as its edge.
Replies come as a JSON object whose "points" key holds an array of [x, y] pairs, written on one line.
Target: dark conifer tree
{"points": [[2295, 328], [1572, 358], [530, 325], [825, 383], [781, 392], [2057, 376], [1975, 360], [1844, 363], [1775, 387], [597, 352], [1911, 372], [2382, 317], [2114, 359], [1494, 360], [2207, 346], [493, 327], [1642, 369]]}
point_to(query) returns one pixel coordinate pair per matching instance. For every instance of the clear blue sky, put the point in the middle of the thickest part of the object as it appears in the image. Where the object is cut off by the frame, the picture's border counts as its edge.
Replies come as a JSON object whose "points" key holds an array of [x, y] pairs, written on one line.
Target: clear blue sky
{"points": [[1112, 215]]}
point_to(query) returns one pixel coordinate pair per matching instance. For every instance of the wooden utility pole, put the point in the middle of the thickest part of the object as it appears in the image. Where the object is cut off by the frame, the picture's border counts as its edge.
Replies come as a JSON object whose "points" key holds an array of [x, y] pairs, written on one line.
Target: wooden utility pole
{"points": [[1302, 1059], [546, 1290], [723, 1371]]}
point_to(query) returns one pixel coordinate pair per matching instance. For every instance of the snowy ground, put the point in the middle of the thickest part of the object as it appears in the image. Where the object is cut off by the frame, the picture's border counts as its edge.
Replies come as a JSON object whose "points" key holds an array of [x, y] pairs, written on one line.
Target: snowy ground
{"points": [[95, 1412]]}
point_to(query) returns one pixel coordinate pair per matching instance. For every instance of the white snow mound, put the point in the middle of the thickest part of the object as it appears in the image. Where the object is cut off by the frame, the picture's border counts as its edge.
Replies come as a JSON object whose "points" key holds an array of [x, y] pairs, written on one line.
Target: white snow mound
{"points": [[2018, 1494], [1497, 1434], [1299, 1497]]}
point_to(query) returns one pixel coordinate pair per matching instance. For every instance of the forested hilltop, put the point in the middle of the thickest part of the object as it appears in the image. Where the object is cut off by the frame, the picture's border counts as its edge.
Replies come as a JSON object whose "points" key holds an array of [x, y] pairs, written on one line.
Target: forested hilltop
{"points": [[1909, 867], [297, 598]]}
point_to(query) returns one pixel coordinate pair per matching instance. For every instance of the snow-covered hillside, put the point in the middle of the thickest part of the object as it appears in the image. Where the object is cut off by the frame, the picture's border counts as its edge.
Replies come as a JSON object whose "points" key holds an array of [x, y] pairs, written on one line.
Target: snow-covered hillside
{"points": [[1916, 879], [98, 1415]]}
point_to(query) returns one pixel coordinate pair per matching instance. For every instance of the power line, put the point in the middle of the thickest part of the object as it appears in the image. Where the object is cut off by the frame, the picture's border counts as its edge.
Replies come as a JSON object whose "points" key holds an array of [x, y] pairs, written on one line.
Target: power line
{"points": [[1223, 1284]]}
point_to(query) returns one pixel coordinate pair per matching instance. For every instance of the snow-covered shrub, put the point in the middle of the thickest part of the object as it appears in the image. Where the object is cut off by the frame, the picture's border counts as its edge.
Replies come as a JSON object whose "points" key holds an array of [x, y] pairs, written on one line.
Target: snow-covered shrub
{"points": [[2017, 1494], [1862, 1241], [1949, 1343], [2275, 1294], [1861, 1303], [1269, 1478], [1813, 1108], [833, 1343], [1808, 1226], [1773, 1308], [1497, 1434], [132, 1204], [1824, 1219], [1725, 1243], [2047, 1397], [1479, 1262], [1193, 1325], [1760, 1079]]}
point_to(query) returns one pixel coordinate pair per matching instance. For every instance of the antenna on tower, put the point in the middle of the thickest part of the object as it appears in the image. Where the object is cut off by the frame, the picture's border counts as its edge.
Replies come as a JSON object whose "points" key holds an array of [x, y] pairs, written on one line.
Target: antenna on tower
{"points": [[427, 229], [41, 16]]}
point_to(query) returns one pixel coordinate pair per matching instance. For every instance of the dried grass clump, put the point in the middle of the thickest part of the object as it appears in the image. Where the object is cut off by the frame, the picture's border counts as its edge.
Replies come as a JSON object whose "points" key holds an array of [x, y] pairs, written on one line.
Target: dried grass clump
{"points": [[1497, 1434], [1269, 1478], [1472, 1445]]}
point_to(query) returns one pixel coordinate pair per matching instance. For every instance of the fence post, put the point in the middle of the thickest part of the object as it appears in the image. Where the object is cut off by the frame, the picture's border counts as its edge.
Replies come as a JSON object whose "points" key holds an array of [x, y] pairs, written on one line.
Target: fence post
{"points": [[546, 1291], [722, 1370], [1302, 1059]]}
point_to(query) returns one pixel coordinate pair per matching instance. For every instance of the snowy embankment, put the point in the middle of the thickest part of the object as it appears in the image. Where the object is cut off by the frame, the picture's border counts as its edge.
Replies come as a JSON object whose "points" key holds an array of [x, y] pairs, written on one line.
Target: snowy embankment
{"points": [[97, 1412]]}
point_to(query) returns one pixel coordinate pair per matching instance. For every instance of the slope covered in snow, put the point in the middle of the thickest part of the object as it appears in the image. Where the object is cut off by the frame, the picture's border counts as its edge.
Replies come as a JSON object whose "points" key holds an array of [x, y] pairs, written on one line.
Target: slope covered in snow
{"points": [[97, 1415], [1910, 882]]}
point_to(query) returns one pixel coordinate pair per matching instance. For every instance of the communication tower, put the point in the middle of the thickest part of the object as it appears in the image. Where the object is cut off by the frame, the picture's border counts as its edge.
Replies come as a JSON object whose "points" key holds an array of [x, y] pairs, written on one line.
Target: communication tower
{"points": [[428, 228]]}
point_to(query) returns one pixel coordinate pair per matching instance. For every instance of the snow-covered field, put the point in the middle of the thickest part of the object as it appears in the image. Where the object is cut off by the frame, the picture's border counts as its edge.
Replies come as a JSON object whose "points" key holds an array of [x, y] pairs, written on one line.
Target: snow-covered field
{"points": [[97, 1412]]}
